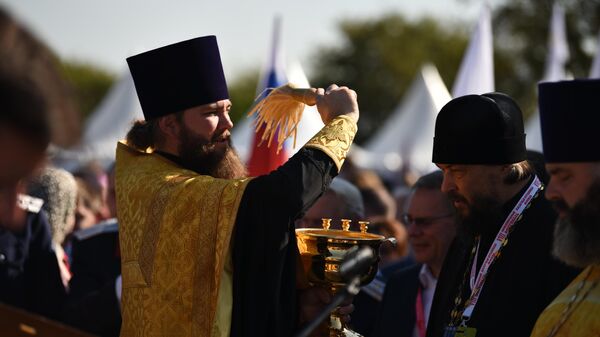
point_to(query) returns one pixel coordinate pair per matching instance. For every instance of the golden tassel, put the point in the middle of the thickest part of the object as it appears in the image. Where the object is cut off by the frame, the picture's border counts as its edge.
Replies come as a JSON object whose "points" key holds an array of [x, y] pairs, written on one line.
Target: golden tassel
{"points": [[281, 112]]}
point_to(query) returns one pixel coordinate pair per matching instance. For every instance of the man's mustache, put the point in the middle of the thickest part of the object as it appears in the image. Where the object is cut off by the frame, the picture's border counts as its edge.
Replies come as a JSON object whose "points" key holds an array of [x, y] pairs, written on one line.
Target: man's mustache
{"points": [[454, 196], [560, 206], [223, 136]]}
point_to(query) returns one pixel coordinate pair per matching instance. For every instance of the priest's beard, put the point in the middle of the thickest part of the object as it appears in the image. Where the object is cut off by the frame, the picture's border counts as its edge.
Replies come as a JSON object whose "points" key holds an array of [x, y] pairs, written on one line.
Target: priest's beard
{"points": [[577, 235], [204, 157], [482, 217]]}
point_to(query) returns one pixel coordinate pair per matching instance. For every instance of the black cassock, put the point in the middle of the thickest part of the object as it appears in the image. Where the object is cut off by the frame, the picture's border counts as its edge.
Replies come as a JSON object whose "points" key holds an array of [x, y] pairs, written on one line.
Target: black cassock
{"points": [[520, 283], [265, 251]]}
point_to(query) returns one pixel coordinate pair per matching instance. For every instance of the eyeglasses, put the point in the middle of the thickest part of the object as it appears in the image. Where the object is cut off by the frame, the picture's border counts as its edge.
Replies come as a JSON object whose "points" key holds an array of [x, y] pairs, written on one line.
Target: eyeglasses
{"points": [[425, 221]]}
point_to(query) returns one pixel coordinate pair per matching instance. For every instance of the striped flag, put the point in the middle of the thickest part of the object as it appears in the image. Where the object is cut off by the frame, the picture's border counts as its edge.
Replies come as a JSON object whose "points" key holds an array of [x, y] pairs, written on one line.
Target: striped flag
{"points": [[265, 159]]}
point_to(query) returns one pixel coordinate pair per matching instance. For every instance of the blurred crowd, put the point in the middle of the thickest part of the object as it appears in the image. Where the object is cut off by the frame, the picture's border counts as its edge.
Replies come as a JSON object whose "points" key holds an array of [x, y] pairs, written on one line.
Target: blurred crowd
{"points": [[59, 247], [59, 254], [59, 231], [59, 250]]}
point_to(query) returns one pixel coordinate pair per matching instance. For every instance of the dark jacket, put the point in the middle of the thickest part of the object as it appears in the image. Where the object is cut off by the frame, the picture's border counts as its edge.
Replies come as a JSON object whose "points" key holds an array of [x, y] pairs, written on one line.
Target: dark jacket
{"points": [[92, 303], [29, 273], [520, 283], [396, 315], [366, 304]]}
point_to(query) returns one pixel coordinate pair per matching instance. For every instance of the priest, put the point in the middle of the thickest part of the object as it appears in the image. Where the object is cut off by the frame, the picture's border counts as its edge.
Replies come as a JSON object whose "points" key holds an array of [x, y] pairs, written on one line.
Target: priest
{"points": [[207, 251], [569, 116], [499, 273]]}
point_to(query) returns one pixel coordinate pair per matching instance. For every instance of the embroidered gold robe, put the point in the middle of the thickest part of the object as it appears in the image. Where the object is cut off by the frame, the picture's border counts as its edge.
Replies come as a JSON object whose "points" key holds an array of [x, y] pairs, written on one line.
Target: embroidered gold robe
{"points": [[584, 319], [169, 217], [176, 227]]}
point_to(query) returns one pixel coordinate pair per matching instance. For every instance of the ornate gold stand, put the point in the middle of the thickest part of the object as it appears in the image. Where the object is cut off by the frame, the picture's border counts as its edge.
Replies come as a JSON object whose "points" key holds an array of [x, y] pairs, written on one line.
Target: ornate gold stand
{"points": [[322, 251]]}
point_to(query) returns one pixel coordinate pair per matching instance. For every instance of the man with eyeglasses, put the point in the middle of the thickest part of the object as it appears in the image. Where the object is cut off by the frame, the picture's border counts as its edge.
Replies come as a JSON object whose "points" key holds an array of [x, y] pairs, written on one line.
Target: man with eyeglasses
{"points": [[499, 273], [431, 227]]}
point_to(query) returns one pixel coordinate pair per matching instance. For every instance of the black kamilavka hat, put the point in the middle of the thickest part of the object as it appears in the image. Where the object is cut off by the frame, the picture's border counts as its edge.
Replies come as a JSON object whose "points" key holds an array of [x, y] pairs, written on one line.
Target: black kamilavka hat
{"points": [[570, 117], [178, 76], [479, 129]]}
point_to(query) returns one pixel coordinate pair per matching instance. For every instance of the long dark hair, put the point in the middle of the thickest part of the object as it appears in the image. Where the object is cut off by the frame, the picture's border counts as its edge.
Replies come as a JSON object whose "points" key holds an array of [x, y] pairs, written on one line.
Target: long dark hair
{"points": [[144, 134]]}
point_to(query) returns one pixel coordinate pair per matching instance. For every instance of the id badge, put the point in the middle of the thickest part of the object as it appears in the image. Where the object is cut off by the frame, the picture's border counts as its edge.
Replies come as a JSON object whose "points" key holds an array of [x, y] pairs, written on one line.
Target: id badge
{"points": [[464, 331]]}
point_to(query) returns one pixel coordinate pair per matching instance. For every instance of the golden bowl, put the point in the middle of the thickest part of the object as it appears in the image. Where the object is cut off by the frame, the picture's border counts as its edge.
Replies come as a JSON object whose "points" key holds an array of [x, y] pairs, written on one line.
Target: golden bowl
{"points": [[322, 251]]}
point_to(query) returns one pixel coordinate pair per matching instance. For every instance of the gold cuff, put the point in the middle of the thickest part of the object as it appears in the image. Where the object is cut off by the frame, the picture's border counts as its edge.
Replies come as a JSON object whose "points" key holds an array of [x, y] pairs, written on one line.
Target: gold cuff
{"points": [[335, 139]]}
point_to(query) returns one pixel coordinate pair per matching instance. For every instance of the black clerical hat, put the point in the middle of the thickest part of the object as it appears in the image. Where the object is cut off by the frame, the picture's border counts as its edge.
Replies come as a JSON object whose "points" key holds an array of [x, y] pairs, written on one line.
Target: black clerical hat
{"points": [[178, 76], [570, 116], [479, 129]]}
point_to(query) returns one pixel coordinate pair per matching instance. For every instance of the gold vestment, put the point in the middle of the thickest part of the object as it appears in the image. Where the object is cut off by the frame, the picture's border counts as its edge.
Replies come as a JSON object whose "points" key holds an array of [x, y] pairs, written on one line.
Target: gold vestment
{"points": [[175, 227]]}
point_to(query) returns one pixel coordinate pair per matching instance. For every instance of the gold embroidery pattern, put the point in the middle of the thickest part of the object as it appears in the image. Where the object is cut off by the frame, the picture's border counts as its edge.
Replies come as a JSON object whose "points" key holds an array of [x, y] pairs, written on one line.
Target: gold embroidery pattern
{"points": [[152, 229], [335, 139], [175, 228]]}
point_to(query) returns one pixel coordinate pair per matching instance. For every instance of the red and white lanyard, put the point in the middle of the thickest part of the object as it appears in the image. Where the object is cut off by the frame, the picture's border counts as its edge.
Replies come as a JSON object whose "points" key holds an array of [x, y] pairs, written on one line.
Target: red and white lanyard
{"points": [[477, 283], [420, 312]]}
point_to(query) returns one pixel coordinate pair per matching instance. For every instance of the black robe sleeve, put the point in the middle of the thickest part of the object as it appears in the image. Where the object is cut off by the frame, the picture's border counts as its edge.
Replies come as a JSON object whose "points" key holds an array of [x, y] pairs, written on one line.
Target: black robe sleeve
{"points": [[264, 244]]}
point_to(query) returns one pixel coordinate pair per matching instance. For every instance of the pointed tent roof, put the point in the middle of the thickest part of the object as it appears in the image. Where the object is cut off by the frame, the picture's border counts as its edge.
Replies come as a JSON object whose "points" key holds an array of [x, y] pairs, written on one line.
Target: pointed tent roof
{"points": [[407, 135], [595, 70], [476, 72], [112, 119], [558, 55], [107, 124]]}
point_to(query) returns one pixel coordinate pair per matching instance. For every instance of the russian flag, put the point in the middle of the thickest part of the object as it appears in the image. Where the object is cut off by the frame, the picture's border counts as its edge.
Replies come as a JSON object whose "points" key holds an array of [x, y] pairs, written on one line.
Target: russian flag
{"points": [[265, 159]]}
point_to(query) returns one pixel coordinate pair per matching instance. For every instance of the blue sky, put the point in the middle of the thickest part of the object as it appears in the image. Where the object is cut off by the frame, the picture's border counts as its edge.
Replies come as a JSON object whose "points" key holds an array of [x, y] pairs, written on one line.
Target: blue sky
{"points": [[106, 32]]}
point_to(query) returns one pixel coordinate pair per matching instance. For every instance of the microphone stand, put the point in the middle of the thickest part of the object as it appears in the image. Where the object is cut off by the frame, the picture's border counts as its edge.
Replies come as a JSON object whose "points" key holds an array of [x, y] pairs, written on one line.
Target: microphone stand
{"points": [[349, 290]]}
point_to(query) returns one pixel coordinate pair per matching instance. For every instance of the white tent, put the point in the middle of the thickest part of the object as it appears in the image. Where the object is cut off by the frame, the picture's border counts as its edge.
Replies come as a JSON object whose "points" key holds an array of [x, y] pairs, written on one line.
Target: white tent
{"points": [[476, 72], [558, 55], [595, 70], [406, 138], [107, 124], [113, 118]]}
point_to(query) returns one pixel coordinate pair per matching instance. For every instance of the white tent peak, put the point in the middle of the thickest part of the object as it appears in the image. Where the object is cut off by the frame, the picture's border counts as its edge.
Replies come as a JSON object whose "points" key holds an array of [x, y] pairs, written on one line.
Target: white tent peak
{"points": [[406, 138], [558, 48], [113, 117], [595, 70], [476, 72], [107, 124]]}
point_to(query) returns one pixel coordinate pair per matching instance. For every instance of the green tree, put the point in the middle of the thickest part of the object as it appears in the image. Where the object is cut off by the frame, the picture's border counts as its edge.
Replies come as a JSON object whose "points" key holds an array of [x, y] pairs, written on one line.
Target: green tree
{"points": [[521, 30], [380, 58], [242, 92]]}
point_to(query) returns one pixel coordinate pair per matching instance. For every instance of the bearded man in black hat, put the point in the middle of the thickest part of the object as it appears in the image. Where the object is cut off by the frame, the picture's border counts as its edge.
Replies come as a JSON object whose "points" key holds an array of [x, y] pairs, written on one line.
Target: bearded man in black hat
{"points": [[205, 250], [499, 273], [569, 116]]}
